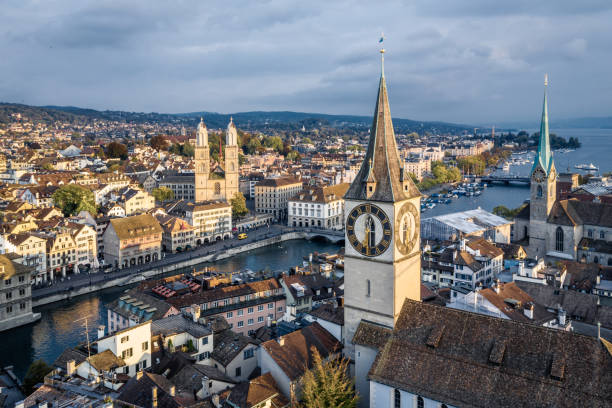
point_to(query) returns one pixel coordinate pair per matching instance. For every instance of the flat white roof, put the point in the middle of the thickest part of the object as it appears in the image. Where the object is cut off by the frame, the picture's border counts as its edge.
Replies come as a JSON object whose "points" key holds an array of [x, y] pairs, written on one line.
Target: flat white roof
{"points": [[472, 220]]}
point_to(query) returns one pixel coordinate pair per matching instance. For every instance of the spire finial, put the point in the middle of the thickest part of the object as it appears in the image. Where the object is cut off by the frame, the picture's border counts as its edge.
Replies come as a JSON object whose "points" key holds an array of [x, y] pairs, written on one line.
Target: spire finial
{"points": [[545, 79], [382, 54]]}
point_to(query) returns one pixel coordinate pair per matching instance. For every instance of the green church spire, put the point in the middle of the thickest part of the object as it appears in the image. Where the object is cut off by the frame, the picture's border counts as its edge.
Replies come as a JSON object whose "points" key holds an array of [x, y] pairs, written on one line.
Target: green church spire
{"points": [[544, 155]]}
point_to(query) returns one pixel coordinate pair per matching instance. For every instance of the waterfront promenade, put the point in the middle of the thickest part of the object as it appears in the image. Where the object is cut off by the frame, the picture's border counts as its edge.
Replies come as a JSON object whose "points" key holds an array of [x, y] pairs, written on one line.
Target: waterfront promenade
{"points": [[82, 283]]}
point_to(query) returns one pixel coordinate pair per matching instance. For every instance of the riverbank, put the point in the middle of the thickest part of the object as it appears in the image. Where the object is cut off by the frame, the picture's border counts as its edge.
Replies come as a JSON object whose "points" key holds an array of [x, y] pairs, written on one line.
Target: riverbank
{"points": [[158, 270]]}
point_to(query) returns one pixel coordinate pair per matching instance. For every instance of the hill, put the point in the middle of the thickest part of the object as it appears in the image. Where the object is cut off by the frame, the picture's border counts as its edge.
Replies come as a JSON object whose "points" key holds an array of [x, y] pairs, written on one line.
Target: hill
{"points": [[256, 120]]}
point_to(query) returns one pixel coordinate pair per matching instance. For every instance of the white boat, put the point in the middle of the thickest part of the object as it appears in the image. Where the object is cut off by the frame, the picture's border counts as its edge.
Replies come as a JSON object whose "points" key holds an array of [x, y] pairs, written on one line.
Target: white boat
{"points": [[588, 167]]}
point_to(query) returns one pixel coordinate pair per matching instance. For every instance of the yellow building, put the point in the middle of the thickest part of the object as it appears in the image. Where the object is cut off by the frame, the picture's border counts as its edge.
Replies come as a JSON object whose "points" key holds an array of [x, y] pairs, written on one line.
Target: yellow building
{"points": [[132, 241]]}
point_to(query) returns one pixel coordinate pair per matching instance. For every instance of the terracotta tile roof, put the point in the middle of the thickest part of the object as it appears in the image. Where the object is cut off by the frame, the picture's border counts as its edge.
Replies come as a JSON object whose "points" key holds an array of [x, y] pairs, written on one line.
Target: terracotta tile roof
{"points": [[322, 194], [228, 345], [508, 294], [138, 391], [574, 212], [224, 292], [257, 391], [294, 357], [329, 313], [136, 226], [278, 182], [371, 335], [485, 247], [483, 361], [105, 361]]}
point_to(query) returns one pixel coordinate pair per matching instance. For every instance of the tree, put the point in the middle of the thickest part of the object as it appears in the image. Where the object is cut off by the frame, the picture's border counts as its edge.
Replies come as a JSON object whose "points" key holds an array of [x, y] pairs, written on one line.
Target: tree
{"points": [[116, 150], [238, 203], [293, 156], [275, 142], [35, 375], [73, 198], [327, 384], [47, 166], [162, 194], [253, 146], [159, 142]]}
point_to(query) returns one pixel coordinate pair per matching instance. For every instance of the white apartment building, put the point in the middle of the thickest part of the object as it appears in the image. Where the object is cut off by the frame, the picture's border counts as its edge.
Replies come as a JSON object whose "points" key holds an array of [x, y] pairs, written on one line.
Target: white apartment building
{"points": [[320, 207], [132, 345]]}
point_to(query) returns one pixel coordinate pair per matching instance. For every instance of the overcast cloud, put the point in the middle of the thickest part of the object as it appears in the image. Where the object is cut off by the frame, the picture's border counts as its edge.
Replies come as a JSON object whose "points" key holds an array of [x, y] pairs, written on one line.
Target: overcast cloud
{"points": [[478, 61]]}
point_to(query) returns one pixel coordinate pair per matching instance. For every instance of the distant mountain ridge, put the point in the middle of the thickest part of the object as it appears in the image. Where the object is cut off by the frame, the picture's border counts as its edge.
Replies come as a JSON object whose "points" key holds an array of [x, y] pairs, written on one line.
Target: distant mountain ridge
{"points": [[255, 120], [603, 122]]}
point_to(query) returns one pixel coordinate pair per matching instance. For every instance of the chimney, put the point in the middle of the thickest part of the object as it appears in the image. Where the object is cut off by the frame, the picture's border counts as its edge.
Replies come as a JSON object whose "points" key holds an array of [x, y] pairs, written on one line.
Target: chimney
{"points": [[497, 286], [528, 310], [100, 331], [598, 280], [154, 397], [521, 268], [173, 391], [70, 367], [195, 312], [561, 316], [139, 375], [598, 330], [281, 341]]}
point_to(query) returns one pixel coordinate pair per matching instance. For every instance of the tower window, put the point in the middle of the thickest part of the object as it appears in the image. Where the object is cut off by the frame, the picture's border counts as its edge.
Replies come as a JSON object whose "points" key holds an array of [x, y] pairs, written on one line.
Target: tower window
{"points": [[559, 239], [217, 188], [539, 191], [368, 288], [397, 399], [420, 402]]}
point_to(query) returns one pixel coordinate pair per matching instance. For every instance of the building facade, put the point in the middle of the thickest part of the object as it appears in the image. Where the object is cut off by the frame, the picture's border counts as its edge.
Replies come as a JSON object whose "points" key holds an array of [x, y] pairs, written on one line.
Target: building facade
{"points": [[15, 294], [321, 207], [132, 241], [272, 196]]}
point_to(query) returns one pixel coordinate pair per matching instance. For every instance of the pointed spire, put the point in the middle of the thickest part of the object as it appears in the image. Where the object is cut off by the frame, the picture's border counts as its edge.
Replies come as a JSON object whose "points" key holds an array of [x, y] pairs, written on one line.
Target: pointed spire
{"points": [[231, 135], [381, 169], [544, 155]]}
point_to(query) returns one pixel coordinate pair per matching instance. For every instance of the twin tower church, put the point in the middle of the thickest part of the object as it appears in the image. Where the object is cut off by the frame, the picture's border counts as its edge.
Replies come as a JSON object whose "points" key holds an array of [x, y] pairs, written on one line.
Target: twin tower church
{"points": [[221, 182]]}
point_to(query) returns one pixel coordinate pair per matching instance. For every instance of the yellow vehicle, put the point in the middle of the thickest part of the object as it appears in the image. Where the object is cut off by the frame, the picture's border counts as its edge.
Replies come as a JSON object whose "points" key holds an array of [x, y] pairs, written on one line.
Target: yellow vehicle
{"points": [[242, 235]]}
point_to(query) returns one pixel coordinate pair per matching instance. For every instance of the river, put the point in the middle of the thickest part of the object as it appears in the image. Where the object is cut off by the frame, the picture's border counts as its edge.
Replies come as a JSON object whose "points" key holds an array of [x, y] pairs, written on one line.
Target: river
{"points": [[60, 328], [596, 148]]}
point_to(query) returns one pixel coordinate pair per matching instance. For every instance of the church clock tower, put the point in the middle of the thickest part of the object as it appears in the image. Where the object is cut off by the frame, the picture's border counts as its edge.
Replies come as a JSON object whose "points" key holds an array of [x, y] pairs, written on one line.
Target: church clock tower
{"points": [[382, 255], [543, 187]]}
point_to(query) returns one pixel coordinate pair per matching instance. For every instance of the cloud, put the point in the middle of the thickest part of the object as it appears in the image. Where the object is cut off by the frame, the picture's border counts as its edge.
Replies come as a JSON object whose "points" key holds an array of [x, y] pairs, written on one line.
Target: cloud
{"points": [[471, 61]]}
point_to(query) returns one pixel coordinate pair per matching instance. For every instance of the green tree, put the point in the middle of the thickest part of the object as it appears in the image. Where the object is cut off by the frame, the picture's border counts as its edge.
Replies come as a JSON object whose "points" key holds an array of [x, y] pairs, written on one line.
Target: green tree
{"points": [[73, 198], [238, 203], [159, 142], [188, 150], [327, 384], [36, 374], [253, 146], [275, 142], [116, 150], [47, 166], [162, 194], [294, 156]]}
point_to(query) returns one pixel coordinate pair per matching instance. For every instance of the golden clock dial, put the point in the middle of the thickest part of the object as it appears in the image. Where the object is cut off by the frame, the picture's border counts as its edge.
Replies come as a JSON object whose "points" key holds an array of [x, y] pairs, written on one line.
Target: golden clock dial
{"points": [[538, 175], [407, 229], [368, 229]]}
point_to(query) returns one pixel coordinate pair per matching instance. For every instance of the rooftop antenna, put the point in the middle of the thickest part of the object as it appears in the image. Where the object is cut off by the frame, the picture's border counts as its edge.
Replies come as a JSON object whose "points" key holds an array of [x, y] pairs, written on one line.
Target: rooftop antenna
{"points": [[88, 346]]}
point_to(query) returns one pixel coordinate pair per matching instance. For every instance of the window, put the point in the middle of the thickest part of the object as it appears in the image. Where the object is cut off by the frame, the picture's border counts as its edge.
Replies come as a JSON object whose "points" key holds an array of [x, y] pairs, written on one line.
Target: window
{"points": [[559, 239], [250, 310], [270, 305], [241, 324], [22, 306], [420, 402], [539, 191], [240, 312], [368, 288], [251, 321], [9, 295], [602, 235], [7, 282], [596, 259], [280, 309], [260, 308], [9, 309], [125, 339], [22, 278], [248, 353], [145, 346], [127, 353], [205, 340], [397, 399], [238, 371], [229, 314], [260, 319], [590, 233]]}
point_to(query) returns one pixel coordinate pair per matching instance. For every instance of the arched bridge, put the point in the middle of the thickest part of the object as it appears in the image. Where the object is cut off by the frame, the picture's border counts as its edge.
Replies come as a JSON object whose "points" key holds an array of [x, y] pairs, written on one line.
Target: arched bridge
{"points": [[505, 179], [334, 236]]}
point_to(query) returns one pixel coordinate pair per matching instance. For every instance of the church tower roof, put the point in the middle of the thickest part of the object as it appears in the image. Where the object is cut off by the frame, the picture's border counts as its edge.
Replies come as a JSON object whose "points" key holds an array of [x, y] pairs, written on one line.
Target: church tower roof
{"points": [[543, 156], [231, 136], [202, 134], [381, 176]]}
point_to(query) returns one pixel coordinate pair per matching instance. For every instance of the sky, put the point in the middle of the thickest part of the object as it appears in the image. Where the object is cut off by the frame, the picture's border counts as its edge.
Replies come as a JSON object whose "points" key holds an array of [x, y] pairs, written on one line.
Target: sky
{"points": [[464, 61]]}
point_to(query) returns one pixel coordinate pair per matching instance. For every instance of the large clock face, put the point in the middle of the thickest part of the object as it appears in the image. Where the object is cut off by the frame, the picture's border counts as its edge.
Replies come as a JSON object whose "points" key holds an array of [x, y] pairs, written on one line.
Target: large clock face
{"points": [[538, 175], [368, 229], [407, 229]]}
